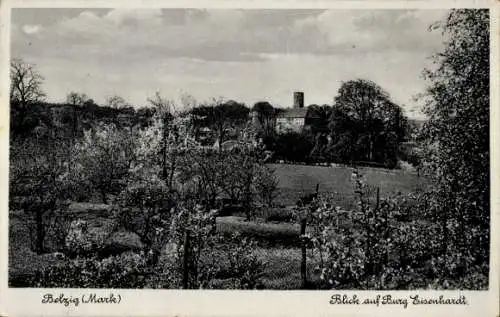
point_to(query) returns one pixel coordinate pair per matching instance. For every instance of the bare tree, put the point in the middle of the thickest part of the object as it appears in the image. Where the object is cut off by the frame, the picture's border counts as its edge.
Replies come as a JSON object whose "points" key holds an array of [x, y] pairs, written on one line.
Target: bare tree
{"points": [[25, 86]]}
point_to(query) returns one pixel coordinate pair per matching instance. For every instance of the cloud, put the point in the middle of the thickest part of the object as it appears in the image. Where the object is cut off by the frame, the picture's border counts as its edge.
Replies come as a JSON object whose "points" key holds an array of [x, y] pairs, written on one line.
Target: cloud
{"points": [[245, 35], [374, 30], [212, 35], [240, 54], [31, 29], [86, 23], [134, 17]]}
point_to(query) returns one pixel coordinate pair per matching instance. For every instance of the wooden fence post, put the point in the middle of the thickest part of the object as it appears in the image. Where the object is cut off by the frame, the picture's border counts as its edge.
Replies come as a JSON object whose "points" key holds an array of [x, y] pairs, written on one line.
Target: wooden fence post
{"points": [[165, 147], [386, 232], [303, 264], [185, 262]]}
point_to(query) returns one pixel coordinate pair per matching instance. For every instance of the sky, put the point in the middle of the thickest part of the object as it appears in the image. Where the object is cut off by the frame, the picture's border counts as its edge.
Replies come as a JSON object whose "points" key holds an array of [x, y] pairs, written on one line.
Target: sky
{"points": [[246, 55]]}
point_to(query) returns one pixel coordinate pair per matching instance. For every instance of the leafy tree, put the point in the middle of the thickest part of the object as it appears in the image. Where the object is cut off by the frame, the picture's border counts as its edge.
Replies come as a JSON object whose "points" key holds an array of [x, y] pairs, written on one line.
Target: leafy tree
{"points": [[343, 136], [224, 118], [145, 116], [266, 185], [89, 103], [116, 102], [377, 124], [266, 117], [146, 210], [39, 183], [457, 133], [318, 118], [76, 99]]}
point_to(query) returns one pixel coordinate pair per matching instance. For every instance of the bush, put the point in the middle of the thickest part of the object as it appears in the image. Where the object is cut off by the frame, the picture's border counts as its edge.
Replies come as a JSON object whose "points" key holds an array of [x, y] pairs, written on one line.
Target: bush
{"points": [[84, 240], [38, 179], [266, 185], [230, 263], [386, 247], [128, 270], [102, 160]]}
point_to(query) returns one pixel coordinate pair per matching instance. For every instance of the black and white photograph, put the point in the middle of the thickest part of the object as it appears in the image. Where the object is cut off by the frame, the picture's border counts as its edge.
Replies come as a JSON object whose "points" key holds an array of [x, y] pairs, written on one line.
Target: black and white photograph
{"points": [[249, 149]]}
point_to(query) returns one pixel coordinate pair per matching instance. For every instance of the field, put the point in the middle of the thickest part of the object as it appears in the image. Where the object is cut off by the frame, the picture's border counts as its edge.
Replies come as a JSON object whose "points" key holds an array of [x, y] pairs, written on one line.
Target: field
{"points": [[296, 181], [278, 245]]}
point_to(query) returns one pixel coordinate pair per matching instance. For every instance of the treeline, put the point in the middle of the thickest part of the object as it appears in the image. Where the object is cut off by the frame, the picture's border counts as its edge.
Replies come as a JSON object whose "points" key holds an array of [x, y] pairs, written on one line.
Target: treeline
{"points": [[42, 118], [362, 126]]}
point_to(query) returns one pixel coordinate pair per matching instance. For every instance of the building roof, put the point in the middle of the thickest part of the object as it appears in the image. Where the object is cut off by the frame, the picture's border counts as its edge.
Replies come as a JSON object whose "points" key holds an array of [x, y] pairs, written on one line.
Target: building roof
{"points": [[292, 113]]}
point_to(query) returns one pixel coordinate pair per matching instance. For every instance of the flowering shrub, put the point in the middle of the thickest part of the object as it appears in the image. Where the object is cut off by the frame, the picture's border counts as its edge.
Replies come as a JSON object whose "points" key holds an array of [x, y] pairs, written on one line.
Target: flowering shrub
{"points": [[102, 159], [331, 235], [230, 261], [381, 247], [197, 225], [127, 270], [266, 185], [146, 208], [80, 241], [214, 261]]}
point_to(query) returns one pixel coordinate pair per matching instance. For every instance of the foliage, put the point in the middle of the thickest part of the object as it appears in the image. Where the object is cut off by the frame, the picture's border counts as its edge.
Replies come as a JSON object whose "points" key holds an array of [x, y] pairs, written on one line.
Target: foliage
{"points": [[128, 270], [145, 208], [148, 202], [224, 118], [191, 227], [77, 99], [456, 136], [161, 104], [116, 102], [374, 248], [318, 118], [40, 179], [210, 175], [265, 118], [81, 240], [266, 185], [231, 258], [290, 146], [42, 118], [366, 125]]}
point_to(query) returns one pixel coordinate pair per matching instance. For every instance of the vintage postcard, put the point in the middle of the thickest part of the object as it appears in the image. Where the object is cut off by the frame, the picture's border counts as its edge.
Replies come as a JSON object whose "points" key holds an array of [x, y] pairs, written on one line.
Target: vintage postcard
{"points": [[249, 158]]}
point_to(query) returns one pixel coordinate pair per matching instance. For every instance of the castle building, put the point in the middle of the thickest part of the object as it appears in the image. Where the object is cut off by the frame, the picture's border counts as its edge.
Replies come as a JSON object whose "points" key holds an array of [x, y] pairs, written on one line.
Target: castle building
{"points": [[292, 119]]}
